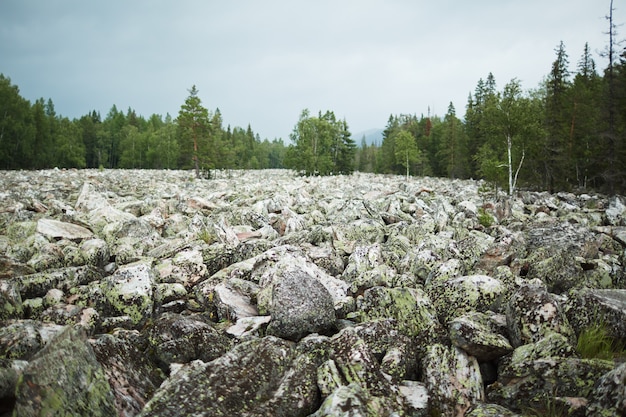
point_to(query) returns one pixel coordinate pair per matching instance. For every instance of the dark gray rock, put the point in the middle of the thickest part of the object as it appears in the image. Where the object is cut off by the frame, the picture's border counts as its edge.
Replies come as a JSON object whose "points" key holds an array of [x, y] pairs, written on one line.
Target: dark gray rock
{"points": [[608, 397], [66, 378], [300, 305], [131, 375], [180, 339]]}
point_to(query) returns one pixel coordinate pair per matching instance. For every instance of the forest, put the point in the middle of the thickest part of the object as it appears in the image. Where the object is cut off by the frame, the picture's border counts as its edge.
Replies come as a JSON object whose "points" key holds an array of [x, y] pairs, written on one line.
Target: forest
{"points": [[567, 134]]}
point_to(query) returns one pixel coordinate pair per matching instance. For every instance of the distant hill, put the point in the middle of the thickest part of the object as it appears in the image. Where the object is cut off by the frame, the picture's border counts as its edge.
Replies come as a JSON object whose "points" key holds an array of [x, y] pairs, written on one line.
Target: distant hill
{"points": [[372, 136]]}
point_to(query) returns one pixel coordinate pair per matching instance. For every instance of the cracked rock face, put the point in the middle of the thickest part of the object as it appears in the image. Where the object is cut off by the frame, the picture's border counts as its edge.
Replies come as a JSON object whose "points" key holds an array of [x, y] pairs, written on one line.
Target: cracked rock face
{"points": [[152, 293]]}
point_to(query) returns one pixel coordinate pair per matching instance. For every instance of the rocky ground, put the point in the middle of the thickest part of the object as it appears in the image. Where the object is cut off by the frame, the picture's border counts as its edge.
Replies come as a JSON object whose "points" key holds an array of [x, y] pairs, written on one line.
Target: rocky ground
{"points": [[261, 293]]}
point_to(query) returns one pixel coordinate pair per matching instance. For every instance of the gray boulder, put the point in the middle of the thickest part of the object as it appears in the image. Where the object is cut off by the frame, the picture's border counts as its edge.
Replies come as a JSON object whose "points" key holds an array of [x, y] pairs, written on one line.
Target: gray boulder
{"points": [[477, 335], [132, 376], [453, 380], [180, 339], [532, 312], [608, 397], [64, 378], [244, 381], [300, 305]]}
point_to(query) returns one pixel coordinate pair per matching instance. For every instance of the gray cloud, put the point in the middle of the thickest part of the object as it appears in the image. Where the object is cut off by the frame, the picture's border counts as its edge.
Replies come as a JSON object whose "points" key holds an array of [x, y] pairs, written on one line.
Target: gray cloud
{"points": [[263, 62]]}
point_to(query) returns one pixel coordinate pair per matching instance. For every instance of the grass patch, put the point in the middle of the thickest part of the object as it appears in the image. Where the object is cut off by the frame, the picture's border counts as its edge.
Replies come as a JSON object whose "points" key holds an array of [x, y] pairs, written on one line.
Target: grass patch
{"points": [[207, 237], [595, 341]]}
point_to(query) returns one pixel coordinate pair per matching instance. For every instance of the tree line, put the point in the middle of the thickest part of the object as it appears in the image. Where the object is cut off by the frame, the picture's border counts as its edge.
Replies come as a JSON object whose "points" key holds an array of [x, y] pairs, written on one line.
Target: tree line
{"points": [[569, 133], [34, 136]]}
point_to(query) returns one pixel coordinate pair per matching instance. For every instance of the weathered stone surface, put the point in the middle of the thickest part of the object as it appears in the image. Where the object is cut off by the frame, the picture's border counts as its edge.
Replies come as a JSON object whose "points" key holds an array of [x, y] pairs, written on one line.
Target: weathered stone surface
{"points": [[607, 307], [410, 308], [300, 305], [533, 383], [532, 312], [461, 295], [129, 291], [10, 300], [474, 334], [608, 397], [55, 229], [453, 380], [242, 382], [131, 375], [65, 375], [180, 339]]}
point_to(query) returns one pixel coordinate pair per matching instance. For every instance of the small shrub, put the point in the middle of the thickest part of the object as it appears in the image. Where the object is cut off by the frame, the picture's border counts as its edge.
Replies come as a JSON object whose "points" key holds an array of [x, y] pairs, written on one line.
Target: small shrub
{"points": [[485, 219]]}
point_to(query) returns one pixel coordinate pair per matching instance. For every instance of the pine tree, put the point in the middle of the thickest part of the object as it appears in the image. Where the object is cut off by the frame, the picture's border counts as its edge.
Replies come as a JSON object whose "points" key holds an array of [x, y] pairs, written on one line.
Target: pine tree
{"points": [[193, 131]]}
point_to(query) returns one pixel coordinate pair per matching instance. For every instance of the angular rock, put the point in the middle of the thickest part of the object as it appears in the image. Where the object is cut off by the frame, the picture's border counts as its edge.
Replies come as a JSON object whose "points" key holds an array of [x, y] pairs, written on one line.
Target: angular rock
{"points": [[130, 292], [10, 301], [608, 307], [54, 229], [241, 382], [453, 380], [531, 384], [461, 295], [532, 312], [65, 375], [410, 308], [132, 377], [181, 339], [300, 305], [232, 303], [474, 334], [608, 397], [38, 284]]}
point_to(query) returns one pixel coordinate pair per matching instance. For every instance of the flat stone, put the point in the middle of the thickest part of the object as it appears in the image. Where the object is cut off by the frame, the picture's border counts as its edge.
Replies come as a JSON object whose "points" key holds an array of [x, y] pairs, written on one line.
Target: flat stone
{"points": [[62, 230]]}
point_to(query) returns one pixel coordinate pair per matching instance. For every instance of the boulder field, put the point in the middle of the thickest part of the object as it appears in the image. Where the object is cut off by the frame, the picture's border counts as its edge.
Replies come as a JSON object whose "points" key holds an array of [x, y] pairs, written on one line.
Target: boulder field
{"points": [[264, 293]]}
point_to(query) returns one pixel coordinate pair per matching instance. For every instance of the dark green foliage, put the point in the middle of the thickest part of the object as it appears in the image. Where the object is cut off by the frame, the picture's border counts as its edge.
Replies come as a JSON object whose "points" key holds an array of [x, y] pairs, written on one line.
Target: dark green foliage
{"points": [[321, 145]]}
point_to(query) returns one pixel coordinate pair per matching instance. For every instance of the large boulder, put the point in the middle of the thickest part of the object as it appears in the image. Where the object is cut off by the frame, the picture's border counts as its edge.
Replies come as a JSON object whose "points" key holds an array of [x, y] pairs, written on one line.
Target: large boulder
{"points": [[300, 305], [129, 292], [245, 381], [180, 339], [453, 380], [608, 397], [64, 377], [532, 312], [131, 375], [457, 296]]}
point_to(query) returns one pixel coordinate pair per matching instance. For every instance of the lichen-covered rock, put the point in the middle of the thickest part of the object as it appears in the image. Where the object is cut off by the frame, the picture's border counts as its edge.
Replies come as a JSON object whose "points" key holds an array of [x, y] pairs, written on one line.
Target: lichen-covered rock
{"points": [[54, 229], [93, 252], [553, 345], [300, 305], [38, 284], [608, 397], [410, 308], [532, 312], [475, 334], [352, 364], [131, 375], [21, 339], [68, 314], [129, 292], [64, 378], [10, 300], [453, 380], [607, 307], [179, 339], [244, 381], [531, 384], [367, 268], [457, 296], [490, 410]]}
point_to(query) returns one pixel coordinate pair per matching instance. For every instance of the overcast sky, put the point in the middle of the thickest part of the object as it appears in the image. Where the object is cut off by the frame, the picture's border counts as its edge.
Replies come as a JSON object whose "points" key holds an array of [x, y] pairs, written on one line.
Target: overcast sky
{"points": [[262, 62]]}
